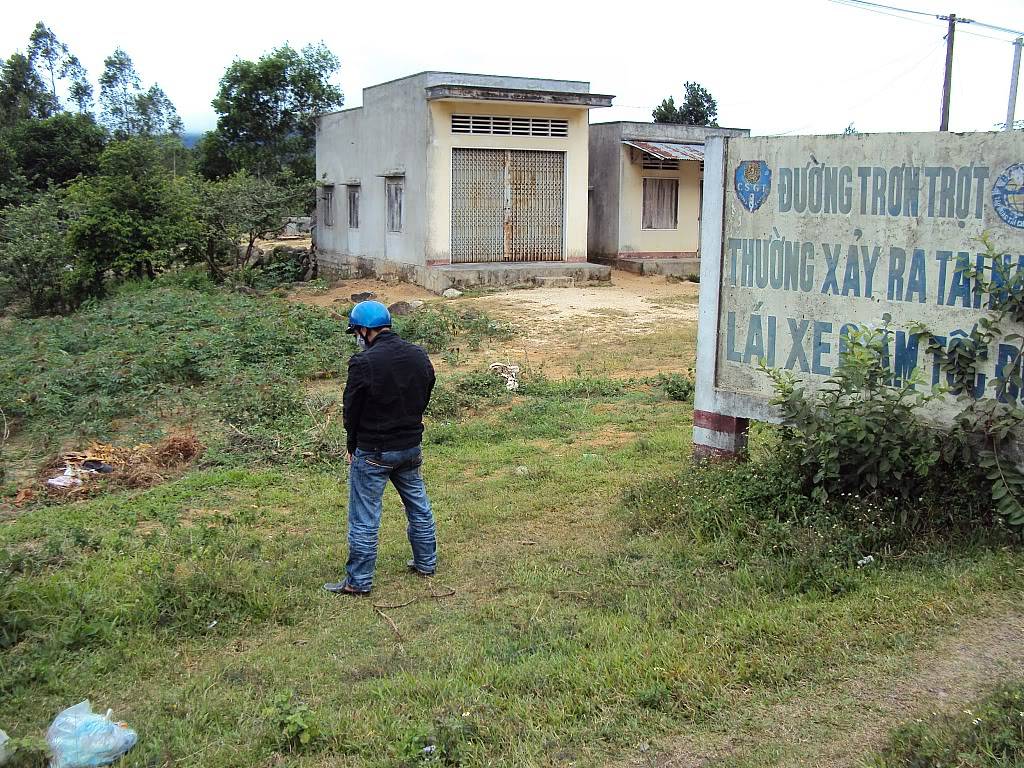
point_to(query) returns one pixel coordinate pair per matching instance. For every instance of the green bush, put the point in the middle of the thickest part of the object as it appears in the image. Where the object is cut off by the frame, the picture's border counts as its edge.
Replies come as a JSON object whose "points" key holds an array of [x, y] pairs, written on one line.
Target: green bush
{"points": [[677, 386], [37, 273], [440, 329], [859, 434], [455, 394], [987, 734], [295, 726], [131, 219]]}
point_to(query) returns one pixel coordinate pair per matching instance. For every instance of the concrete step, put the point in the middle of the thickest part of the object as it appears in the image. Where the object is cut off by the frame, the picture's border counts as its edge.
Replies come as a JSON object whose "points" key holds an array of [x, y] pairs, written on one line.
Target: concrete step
{"points": [[555, 282], [674, 267]]}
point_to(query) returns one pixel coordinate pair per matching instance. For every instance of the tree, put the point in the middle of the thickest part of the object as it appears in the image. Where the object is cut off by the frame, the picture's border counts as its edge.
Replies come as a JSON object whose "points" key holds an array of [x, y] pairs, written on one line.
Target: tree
{"points": [[240, 207], [37, 274], [133, 217], [23, 94], [157, 115], [127, 110], [13, 185], [57, 149], [212, 157], [119, 87], [698, 107], [53, 61], [266, 109], [850, 130]]}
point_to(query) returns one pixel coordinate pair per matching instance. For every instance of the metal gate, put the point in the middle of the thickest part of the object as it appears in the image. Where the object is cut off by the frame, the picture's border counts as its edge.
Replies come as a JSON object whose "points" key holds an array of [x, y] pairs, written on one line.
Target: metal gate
{"points": [[507, 205]]}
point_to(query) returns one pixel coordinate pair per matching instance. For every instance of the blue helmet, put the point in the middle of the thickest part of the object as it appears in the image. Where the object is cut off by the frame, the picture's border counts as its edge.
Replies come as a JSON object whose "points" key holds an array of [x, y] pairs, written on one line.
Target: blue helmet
{"points": [[368, 314]]}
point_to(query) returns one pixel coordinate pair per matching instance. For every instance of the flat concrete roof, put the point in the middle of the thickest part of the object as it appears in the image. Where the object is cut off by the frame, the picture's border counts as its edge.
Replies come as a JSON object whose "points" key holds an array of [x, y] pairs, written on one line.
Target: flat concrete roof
{"points": [[523, 95], [435, 77], [629, 129]]}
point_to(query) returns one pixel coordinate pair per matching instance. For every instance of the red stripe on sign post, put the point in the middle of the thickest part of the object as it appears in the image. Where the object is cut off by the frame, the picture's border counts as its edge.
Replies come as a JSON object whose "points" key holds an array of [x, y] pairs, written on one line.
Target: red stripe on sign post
{"points": [[718, 422], [716, 436]]}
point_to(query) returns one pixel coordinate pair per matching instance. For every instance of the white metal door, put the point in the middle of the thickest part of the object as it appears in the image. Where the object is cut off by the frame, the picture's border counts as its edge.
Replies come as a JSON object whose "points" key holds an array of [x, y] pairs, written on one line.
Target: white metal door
{"points": [[507, 205]]}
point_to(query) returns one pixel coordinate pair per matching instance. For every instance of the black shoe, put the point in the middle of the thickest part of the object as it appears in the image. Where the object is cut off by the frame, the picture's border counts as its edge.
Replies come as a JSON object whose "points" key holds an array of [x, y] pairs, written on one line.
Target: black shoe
{"points": [[412, 567], [344, 588]]}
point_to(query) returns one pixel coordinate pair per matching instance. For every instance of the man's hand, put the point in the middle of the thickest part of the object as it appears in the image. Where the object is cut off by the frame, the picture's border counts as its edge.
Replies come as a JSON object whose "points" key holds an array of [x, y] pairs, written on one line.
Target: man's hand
{"points": [[348, 457]]}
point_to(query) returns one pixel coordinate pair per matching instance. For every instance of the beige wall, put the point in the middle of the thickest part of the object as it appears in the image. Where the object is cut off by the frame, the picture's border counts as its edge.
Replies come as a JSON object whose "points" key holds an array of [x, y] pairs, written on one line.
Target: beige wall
{"points": [[439, 167], [632, 236]]}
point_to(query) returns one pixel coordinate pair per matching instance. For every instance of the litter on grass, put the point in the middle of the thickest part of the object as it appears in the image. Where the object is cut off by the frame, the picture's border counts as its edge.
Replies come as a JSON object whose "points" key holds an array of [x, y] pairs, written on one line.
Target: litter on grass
{"points": [[510, 373], [141, 466], [80, 738]]}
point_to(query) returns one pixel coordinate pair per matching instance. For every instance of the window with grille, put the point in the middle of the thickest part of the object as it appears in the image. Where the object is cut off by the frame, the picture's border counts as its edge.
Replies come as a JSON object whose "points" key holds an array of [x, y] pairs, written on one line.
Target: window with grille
{"points": [[396, 193], [657, 164], [328, 203], [661, 203], [496, 125], [353, 206]]}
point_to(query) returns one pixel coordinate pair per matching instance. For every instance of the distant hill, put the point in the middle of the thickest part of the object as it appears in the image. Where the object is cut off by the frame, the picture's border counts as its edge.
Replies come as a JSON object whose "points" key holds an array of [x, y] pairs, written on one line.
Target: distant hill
{"points": [[190, 138]]}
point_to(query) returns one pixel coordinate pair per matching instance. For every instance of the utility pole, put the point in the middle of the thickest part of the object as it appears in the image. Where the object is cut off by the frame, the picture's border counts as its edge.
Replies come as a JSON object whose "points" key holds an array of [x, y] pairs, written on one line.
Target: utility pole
{"points": [[1015, 73], [947, 83]]}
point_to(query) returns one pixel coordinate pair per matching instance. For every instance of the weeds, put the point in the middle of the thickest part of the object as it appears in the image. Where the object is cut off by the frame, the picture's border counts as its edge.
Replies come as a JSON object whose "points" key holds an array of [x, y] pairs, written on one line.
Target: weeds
{"points": [[152, 347], [986, 734], [442, 329], [677, 386], [296, 727]]}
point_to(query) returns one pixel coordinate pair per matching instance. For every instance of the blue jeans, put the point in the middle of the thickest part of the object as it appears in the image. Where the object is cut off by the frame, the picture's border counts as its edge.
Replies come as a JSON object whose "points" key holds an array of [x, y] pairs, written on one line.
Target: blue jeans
{"points": [[368, 476]]}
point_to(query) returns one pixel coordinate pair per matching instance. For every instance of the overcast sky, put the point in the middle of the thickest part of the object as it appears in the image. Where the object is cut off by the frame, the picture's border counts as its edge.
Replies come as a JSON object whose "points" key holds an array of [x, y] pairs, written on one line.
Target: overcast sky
{"points": [[793, 66]]}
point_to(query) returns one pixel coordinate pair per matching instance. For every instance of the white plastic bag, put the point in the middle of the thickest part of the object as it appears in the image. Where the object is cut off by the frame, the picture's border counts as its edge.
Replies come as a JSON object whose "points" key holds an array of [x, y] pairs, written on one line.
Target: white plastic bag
{"points": [[4, 738], [79, 738]]}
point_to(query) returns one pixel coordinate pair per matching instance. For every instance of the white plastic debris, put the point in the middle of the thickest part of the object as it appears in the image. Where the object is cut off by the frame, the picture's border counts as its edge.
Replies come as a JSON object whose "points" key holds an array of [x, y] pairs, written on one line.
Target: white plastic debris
{"points": [[70, 479], [4, 738], [510, 373], [865, 561], [79, 738]]}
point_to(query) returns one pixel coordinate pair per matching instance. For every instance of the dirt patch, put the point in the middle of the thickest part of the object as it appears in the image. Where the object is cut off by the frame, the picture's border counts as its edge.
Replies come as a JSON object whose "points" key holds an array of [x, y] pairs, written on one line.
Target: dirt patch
{"points": [[608, 437], [560, 331], [963, 667], [563, 331], [340, 293]]}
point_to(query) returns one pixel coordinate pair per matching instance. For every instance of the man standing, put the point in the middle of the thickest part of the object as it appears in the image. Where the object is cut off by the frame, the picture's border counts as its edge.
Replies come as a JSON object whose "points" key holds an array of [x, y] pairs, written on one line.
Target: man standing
{"points": [[388, 388]]}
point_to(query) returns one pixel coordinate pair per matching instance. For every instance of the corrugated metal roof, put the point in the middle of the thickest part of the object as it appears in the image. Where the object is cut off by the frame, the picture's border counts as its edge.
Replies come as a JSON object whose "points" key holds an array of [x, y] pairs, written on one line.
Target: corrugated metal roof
{"points": [[664, 150]]}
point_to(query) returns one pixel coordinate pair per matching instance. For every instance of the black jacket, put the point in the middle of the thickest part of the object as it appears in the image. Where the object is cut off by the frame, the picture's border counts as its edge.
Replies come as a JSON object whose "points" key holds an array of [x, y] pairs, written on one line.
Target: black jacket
{"points": [[388, 389]]}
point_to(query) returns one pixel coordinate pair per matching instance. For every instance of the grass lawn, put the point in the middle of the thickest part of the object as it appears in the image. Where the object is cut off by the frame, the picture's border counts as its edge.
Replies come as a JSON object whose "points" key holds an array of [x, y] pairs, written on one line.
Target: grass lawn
{"points": [[556, 632]]}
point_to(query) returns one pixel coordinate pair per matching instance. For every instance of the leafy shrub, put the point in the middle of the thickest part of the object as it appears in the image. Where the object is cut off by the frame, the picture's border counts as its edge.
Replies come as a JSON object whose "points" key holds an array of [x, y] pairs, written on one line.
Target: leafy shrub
{"points": [[132, 218], [454, 394], [677, 386], [296, 727], [440, 329], [987, 734], [445, 743], [859, 434], [37, 274], [759, 510]]}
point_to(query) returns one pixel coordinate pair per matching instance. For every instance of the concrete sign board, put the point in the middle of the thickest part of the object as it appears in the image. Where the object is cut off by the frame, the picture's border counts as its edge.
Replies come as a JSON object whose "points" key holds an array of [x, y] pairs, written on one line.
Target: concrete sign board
{"points": [[806, 236]]}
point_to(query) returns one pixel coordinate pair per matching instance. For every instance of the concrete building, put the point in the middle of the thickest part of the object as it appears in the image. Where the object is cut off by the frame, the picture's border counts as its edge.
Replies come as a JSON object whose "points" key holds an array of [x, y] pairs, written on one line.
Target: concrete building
{"points": [[450, 180], [645, 195]]}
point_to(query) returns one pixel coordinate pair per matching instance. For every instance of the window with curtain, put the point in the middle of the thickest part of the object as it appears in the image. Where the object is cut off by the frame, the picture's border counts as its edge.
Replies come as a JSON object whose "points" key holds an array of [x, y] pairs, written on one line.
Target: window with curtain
{"points": [[661, 203]]}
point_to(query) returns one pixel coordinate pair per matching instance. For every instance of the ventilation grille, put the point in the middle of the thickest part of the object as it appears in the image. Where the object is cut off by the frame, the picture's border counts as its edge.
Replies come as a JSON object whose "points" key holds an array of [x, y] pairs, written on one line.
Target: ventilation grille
{"points": [[657, 164], [493, 125]]}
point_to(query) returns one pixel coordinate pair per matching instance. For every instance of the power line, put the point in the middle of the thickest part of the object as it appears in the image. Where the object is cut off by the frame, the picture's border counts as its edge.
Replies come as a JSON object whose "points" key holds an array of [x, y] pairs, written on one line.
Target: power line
{"points": [[879, 8], [891, 8], [851, 4], [952, 22]]}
